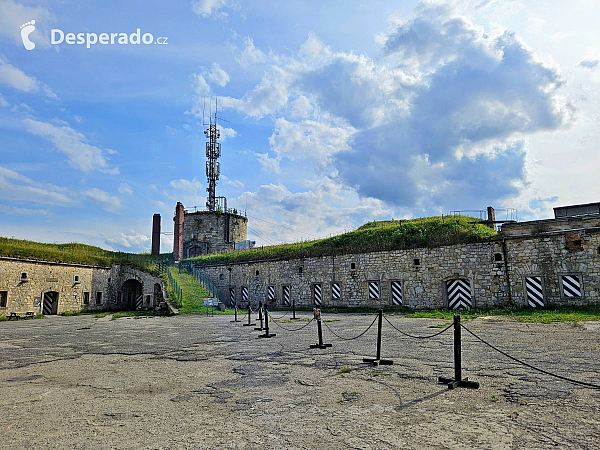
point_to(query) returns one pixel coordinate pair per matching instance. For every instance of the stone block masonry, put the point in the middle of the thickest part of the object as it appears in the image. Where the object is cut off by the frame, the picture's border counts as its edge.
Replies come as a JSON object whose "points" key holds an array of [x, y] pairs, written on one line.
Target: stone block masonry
{"points": [[563, 268], [74, 287]]}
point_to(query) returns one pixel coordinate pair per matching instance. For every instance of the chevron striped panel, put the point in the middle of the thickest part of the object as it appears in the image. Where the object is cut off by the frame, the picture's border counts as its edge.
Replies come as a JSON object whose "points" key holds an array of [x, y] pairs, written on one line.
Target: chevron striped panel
{"points": [[373, 290], [571, 286], [271, 293], [244, 294], [232, 295], [139, 302], [285, 295], [318, 294], [459, 294], [396, 293], [336, 291], [49, 299], [535, 293]]}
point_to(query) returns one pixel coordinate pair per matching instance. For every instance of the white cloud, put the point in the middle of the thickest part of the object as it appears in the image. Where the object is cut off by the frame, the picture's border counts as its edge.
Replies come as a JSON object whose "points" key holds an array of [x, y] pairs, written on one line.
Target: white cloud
{"points": [[227, 133], [199, 84], [162, 207], [268, 97], [232, 183], [81, 155], [218, 76], [251, 54], [108, 202], [210, 8], [278, 215], [191, 187], [124, 188], [268, 164], [13, 15], [129, 240], [310, 140], [23, 211], [16, 78], [18, 188], [438, 122], [3, 102]]}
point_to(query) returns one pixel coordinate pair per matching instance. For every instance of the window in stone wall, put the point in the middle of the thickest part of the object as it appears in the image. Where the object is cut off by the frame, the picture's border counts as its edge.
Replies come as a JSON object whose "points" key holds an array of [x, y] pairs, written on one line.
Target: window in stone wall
{"points": [[98, 298], [24, 276], [570, 286], [3, 299], [396, 293], [86, 298], [286, 295], [147, 299], [271, 294], [498, 257], [373, 290], [352, 266], [221, 276], [417, 261], [317, 294], [336, 290], [76, 278]]}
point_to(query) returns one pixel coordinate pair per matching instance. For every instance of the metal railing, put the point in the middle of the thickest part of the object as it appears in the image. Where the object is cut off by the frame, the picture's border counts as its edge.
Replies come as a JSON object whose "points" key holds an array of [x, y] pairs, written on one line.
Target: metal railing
{"points": [[175, 287]]}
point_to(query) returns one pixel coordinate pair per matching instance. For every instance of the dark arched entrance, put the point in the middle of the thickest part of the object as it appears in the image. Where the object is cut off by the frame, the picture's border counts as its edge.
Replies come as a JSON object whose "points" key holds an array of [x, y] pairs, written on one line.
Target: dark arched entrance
{"points": [[50, 303], [130, 295]]}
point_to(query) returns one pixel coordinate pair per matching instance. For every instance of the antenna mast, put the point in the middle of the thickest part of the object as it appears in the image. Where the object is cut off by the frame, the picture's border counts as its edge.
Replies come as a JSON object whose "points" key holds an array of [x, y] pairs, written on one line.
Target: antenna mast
{"points": [[213, 167]]}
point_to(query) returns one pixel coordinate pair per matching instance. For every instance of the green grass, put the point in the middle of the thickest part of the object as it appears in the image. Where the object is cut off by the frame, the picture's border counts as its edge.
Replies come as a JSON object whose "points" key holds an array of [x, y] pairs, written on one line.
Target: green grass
{"points": [[136, 314], [371, 237], [78, 254], [193, 295], [531, 315]]}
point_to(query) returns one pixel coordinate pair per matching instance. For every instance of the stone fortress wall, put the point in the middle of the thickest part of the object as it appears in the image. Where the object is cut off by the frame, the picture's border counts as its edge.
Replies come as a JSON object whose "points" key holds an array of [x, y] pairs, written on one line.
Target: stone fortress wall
{"points": [[541, 263], [75, 288]]}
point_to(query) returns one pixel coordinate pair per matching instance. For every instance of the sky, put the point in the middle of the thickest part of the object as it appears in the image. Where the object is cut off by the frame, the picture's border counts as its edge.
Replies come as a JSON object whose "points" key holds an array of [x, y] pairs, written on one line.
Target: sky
{"points": [[332, 114]]}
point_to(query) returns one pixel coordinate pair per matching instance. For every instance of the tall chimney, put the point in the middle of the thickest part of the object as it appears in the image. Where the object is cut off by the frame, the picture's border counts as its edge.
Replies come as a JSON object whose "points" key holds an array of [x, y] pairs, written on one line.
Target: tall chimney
{"points": [[178, 233], [155, 235], [491, 217]]}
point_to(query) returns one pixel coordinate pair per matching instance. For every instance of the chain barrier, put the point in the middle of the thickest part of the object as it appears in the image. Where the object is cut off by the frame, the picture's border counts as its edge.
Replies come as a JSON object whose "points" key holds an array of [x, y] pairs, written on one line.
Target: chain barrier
{"points": [[288, 329], [570, 380], [281, 317], [418, 337], [352, 338]]}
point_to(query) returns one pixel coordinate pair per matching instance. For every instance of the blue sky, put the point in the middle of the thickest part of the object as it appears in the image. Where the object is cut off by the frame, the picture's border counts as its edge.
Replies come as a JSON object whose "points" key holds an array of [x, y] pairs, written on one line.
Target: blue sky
{"points": [[338, 113]]}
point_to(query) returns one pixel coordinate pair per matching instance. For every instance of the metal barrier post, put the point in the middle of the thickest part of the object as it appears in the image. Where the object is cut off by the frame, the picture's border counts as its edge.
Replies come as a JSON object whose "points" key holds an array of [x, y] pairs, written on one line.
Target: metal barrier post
{"points": [[458, 380], [319, 331], [249, 317], [235, 312], [377, 361], [260, 317], [267, 334], [293, 309]]}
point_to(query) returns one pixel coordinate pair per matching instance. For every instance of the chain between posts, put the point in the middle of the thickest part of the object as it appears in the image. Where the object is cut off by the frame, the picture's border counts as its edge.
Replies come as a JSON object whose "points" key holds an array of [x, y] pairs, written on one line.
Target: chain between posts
{"points": [[352, 338], [287, 329], [418, 337], [570, 380]]}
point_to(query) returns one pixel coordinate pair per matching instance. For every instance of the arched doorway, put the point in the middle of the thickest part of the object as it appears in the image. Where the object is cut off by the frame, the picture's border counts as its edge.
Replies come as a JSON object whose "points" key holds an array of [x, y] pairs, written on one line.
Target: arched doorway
{"points": [[50, 303], [131, 294]]}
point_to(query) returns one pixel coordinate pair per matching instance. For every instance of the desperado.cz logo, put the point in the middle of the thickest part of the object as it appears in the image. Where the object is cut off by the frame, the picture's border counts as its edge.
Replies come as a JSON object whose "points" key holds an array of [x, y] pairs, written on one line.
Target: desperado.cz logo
{"points": [[89, 39], [58, 36]]}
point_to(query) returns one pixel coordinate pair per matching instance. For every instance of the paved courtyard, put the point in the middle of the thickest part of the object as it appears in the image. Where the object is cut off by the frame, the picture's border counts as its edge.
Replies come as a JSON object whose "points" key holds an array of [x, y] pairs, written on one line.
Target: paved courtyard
{"points": [[203, 382]]}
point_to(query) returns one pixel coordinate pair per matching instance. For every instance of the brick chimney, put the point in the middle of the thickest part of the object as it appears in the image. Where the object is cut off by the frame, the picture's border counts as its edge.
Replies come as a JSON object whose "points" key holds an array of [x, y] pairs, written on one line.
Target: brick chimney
{"points": [[178, 232], [155, 235]]}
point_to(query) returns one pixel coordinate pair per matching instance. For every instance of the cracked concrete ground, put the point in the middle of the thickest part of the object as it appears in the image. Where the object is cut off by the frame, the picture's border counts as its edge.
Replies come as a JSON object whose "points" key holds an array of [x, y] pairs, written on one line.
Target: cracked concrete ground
{"points": [[204, 382]]}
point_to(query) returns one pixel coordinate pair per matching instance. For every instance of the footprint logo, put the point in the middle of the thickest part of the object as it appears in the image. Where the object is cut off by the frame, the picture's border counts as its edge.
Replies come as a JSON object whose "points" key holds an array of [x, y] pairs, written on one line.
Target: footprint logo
{"points": [[26, 30]]}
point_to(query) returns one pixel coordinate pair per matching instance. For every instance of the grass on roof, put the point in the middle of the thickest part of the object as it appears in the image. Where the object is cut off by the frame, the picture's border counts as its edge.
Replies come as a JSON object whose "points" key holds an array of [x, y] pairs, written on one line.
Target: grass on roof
{"points": [[77, 254], [371, 237]]}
